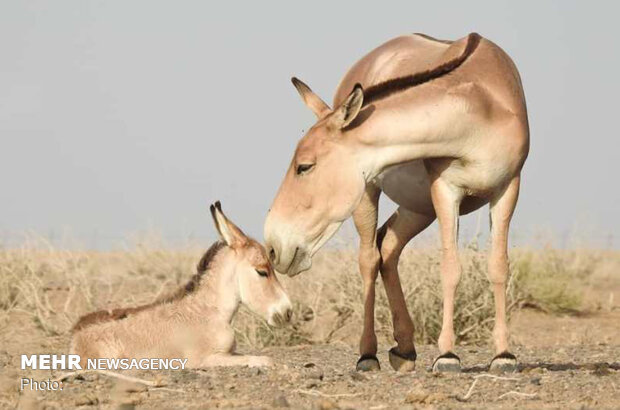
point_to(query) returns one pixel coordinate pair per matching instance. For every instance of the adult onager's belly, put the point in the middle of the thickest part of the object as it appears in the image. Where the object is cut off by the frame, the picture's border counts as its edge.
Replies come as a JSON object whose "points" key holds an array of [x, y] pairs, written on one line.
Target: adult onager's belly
{"points": [[408, 185]]}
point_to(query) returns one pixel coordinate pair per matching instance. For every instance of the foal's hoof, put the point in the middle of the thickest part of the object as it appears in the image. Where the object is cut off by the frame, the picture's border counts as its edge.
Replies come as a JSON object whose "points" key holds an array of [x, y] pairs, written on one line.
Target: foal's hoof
{"points": [[402, 362], [447, 363], [504, 362], [368, 363]]}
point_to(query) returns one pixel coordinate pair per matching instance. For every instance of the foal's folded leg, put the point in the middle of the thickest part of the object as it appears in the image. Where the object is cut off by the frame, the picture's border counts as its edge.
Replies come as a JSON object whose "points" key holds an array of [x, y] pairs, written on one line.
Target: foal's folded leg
{"points": [[231, 360]]}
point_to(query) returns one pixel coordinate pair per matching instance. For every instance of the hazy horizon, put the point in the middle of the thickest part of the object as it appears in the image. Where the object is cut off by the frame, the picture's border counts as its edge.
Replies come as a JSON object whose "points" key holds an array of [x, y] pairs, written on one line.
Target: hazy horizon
{"points": [[119, 118]]}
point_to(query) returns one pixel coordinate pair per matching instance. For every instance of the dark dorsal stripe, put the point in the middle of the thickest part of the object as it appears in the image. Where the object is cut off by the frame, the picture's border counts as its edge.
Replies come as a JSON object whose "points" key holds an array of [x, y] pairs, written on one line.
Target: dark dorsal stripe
{"points": [[389, 87], [121, 313]]}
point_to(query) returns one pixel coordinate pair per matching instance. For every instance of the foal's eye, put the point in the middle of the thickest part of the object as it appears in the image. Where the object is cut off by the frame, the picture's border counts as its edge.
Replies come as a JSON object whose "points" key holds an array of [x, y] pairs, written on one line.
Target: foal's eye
{"points": [[262, 273], [303, 168]]}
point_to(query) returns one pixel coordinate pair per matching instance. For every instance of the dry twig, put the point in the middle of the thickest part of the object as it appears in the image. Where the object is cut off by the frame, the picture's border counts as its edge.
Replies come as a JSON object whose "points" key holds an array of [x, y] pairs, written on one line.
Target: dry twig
{"points": [[155, 384], [480, 376], [516, 393], [318, 393]]}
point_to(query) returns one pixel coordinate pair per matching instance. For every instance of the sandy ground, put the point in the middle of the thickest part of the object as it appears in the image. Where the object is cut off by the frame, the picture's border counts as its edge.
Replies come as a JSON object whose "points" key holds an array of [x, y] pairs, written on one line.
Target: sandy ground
{"points": [[565, 362]]}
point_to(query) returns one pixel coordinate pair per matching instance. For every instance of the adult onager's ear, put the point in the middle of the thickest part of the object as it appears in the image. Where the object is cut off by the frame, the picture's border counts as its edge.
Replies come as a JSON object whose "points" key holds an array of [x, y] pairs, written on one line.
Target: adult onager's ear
{"points": [[229, 232], [348, 110], [313, 101]]}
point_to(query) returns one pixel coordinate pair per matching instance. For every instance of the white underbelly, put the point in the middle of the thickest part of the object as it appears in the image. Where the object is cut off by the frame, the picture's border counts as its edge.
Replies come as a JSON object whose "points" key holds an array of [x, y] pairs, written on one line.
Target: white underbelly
{"points": [[408, 185]]}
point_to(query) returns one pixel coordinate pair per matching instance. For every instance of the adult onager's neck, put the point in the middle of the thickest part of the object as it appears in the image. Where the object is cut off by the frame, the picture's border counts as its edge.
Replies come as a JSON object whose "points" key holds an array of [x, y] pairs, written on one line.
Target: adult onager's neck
{"points": [[392, 136]]}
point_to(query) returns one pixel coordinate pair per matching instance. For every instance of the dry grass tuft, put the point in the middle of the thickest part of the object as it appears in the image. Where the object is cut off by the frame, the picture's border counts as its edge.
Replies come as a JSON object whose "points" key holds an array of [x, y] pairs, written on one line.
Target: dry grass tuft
{"points": [[48, 289]]}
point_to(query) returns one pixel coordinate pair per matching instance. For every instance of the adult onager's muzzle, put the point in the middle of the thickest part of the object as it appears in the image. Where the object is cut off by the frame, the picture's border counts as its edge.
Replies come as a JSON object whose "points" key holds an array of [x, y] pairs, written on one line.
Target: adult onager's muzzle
{"points": [[287, 255]]}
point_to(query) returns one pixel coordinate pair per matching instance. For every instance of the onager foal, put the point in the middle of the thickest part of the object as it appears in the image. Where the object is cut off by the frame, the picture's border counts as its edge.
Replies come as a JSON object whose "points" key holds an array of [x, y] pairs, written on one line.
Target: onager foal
{"points": [[194, 323]]}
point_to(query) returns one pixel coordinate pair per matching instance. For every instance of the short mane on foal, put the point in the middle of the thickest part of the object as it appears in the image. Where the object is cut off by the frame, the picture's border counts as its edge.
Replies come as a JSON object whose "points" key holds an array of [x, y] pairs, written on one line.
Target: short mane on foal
{"points": [[108, 315]]}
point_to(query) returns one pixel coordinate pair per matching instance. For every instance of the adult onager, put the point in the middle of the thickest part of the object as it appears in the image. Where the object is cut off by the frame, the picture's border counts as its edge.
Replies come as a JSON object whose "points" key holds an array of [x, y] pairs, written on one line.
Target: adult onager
{"points": [[194, 323], [440, 127]]}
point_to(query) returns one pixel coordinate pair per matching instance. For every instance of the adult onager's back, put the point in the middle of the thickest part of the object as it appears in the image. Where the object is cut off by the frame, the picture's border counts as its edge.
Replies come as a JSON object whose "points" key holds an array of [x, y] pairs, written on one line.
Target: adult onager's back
{"points": [[195, 323], [440, 127]]}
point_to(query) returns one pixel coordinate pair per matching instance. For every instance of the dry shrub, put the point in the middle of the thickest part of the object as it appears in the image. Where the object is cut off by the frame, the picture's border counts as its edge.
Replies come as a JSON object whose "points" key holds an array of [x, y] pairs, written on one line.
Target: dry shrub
{"points": [[54, 287], [329, 297], [553, 280]]}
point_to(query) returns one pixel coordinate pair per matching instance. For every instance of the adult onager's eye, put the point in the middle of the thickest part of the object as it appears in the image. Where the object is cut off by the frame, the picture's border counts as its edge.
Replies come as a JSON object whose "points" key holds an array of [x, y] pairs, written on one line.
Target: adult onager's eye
{"points": [[262, 273], [303, 168]]}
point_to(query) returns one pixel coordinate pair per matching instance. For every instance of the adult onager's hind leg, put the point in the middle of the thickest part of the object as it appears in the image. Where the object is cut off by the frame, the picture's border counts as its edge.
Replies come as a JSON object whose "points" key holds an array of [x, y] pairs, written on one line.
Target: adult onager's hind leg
{"points": [[501, 210], [447, 200], [392, 238], [365, 218]]}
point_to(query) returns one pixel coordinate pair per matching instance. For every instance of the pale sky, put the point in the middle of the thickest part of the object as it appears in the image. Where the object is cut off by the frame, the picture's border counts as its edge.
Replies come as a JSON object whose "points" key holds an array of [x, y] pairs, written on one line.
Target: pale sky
{"points": [[120, 117]]}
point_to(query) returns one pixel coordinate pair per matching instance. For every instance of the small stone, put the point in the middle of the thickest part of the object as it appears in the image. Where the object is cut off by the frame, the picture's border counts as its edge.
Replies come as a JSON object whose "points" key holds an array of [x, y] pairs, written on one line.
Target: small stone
{"points": [[131, 387], [536, 381], [326, 404], [601, 370], [315, 374], [280, 401], [312, 384], [416, 396], [435, 398], [86, 400], [358, 377], [309, 364]]}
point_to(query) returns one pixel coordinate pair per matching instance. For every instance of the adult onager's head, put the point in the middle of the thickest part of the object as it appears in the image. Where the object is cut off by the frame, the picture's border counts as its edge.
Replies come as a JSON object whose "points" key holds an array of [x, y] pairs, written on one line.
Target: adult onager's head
{"points": [[321, 188], [250, 272]]}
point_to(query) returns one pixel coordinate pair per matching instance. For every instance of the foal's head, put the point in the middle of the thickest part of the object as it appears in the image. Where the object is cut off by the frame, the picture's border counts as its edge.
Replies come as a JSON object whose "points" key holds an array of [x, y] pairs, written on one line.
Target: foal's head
{"points": [[252, 272]]}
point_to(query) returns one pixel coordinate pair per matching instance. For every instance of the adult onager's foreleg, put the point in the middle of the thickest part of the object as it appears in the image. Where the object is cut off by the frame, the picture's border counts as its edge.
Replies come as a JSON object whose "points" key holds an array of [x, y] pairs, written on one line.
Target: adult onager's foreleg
{"points": [[446, 201], [392, 238], [365, 218], [501, 210]]}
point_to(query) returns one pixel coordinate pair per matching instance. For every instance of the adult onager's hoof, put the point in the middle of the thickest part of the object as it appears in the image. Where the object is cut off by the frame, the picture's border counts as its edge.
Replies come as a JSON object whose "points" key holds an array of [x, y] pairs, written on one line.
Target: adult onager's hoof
{"points": [[368, 363], [504, 362], [447, 363], [402, 362]]}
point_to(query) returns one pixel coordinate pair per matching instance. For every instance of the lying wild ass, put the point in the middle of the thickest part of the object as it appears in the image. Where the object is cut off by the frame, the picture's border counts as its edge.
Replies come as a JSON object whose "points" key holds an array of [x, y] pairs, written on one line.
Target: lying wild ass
{"points": [[195, 323], [441, 128]]}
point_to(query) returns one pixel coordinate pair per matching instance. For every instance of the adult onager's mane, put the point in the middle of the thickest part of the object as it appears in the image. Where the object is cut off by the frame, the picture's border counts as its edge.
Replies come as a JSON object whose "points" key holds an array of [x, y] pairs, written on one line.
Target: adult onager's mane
{"points": [[121, 313], [389, 87]]}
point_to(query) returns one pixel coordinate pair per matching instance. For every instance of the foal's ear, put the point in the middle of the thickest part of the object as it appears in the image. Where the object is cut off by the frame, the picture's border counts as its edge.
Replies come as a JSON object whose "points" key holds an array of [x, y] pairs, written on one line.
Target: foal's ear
{"points": [[229, 232], [348, 110], [313, 101]]}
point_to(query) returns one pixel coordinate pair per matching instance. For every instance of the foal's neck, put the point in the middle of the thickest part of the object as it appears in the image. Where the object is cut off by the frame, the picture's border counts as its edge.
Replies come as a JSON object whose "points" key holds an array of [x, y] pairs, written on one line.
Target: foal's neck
{"points": [[217, 296]]}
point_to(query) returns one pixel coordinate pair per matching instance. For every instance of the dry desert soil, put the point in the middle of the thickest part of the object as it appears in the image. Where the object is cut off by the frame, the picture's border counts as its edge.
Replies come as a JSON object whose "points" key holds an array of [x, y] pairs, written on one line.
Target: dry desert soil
{"points": [[565, 362]]}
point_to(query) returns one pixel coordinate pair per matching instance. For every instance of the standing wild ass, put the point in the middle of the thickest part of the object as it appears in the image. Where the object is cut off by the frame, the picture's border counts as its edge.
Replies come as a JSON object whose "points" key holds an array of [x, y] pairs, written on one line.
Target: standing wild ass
{"points": [[439, 126], [194, 323]]}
